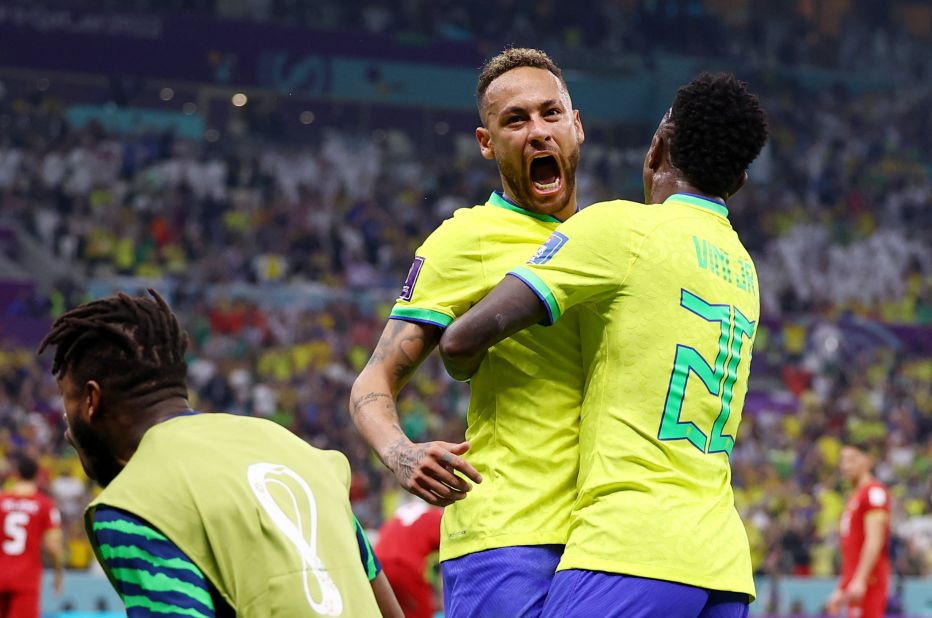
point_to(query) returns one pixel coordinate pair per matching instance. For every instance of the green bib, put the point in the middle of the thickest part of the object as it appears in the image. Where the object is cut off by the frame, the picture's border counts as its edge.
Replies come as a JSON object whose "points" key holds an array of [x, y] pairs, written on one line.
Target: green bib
{"points": [[264, 515]]}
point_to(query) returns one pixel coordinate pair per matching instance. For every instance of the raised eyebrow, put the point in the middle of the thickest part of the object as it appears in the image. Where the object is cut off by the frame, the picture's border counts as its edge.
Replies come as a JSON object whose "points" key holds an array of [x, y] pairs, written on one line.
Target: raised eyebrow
{"points": [[517, 109], [514, 109]]}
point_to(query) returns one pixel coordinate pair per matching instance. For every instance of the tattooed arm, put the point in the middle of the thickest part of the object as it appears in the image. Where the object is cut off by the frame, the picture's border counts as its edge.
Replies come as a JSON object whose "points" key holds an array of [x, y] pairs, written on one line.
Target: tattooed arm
{"points": [[424, 469]]}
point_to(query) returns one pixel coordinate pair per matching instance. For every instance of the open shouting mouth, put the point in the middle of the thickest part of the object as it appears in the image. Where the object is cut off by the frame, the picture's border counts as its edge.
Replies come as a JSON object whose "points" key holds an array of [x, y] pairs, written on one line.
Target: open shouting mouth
{"points": [[545, 174]]}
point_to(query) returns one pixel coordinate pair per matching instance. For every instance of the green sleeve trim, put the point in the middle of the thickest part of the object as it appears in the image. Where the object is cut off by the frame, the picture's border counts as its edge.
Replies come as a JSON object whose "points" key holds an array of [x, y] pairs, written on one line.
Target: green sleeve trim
{"points": [[159, 582], [160, 608], [129, 552], [541, 289], [128, 527], [422, 316], [372, 571]]}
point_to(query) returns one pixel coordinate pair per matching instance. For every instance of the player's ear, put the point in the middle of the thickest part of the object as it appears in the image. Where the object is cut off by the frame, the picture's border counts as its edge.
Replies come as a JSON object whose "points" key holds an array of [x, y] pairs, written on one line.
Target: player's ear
{"points": [[741, 182], [484, 137], [90, 400], [655, 152], [580, 133]]}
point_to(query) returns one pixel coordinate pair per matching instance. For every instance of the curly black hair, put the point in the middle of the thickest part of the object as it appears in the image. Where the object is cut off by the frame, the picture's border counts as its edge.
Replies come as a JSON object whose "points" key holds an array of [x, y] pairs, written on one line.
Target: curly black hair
{"points": [[719, 128], [132, 345], [513, 58]]}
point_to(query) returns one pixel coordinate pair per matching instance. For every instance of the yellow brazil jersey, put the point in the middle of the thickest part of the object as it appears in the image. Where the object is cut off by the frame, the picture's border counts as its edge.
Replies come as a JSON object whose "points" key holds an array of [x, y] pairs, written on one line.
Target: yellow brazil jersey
{"points": [[668, 308], [523, 416]]}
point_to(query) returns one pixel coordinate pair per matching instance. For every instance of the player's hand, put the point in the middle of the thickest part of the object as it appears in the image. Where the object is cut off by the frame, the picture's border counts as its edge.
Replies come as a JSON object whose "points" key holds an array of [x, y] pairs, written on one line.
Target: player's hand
{"points": [[427, 470], [833, 606], [855, 591]]}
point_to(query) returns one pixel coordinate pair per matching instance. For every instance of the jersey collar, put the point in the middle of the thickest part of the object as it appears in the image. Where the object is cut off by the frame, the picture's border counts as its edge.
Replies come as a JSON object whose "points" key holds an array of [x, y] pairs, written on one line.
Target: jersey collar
{"points": [[700, 202], [498, 199]]}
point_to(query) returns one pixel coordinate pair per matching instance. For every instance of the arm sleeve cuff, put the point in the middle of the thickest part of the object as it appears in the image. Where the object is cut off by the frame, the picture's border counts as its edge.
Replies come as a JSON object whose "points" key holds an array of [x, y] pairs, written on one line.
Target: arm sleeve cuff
{"points": [[542, 290], [369, 560], [421, 316]]}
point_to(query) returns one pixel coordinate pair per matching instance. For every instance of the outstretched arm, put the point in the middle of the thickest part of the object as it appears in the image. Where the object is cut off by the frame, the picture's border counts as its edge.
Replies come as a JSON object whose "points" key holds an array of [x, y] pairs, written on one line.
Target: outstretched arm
{"points": [[55, 547], [511, 307], [385, 597], [424, 469]]}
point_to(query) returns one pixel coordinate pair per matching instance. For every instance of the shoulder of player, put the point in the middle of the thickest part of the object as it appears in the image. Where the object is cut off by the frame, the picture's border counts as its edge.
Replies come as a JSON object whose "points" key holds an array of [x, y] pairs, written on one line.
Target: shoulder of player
{"points": [[36, 496], [335, 457], [618, 203], [874, 495], [460, 227], [471, 219], [605, 218], [338, 464], [867, 487], [877, 486], [283, 434], [618, 211]]}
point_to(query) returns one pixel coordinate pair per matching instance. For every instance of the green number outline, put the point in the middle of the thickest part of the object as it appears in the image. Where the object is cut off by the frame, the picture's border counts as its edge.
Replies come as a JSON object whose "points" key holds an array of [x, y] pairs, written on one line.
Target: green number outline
{"points": [[719, 380]]}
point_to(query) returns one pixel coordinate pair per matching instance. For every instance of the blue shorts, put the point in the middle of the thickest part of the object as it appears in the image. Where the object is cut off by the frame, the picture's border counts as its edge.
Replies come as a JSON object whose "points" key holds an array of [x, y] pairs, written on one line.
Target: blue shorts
{"points": [[508, 582], [576, 593]]}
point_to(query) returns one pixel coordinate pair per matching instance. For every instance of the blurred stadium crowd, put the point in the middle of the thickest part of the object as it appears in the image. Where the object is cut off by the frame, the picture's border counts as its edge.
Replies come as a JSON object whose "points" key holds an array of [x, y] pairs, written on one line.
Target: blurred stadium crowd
{"points": [[833, 33], [837, 215], [836, 212]]}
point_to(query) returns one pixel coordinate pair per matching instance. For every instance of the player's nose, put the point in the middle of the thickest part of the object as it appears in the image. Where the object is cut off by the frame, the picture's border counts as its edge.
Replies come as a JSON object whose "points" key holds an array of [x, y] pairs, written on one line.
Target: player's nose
{"points": [[540, 129]]}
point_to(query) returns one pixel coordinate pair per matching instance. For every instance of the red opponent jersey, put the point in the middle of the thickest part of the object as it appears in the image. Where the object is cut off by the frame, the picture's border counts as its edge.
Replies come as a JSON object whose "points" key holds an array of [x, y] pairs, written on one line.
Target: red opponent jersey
{"points": [[410, 536], [872, 496], [24, 520]]}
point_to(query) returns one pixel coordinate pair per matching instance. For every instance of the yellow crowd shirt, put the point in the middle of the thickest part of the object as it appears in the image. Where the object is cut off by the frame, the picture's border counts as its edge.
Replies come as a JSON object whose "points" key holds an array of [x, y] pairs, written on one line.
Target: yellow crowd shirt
{"points": [[668, 308], [523, 416]]}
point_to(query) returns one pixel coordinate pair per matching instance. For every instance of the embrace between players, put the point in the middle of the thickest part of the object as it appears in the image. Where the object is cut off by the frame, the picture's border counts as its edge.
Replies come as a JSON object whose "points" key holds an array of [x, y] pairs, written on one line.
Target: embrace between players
{"points": [[608, 353]]}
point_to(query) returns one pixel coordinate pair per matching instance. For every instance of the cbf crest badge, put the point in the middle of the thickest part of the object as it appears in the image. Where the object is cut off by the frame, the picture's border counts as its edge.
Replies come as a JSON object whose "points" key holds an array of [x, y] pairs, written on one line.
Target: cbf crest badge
{"points": [[549, 249], [407, 291]]}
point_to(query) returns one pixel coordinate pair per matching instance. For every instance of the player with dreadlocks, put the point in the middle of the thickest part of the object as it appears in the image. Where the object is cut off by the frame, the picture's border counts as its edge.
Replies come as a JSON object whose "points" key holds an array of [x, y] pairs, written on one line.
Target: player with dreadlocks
{"points": [[669, 307], [129, 352], [201, 514]]}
